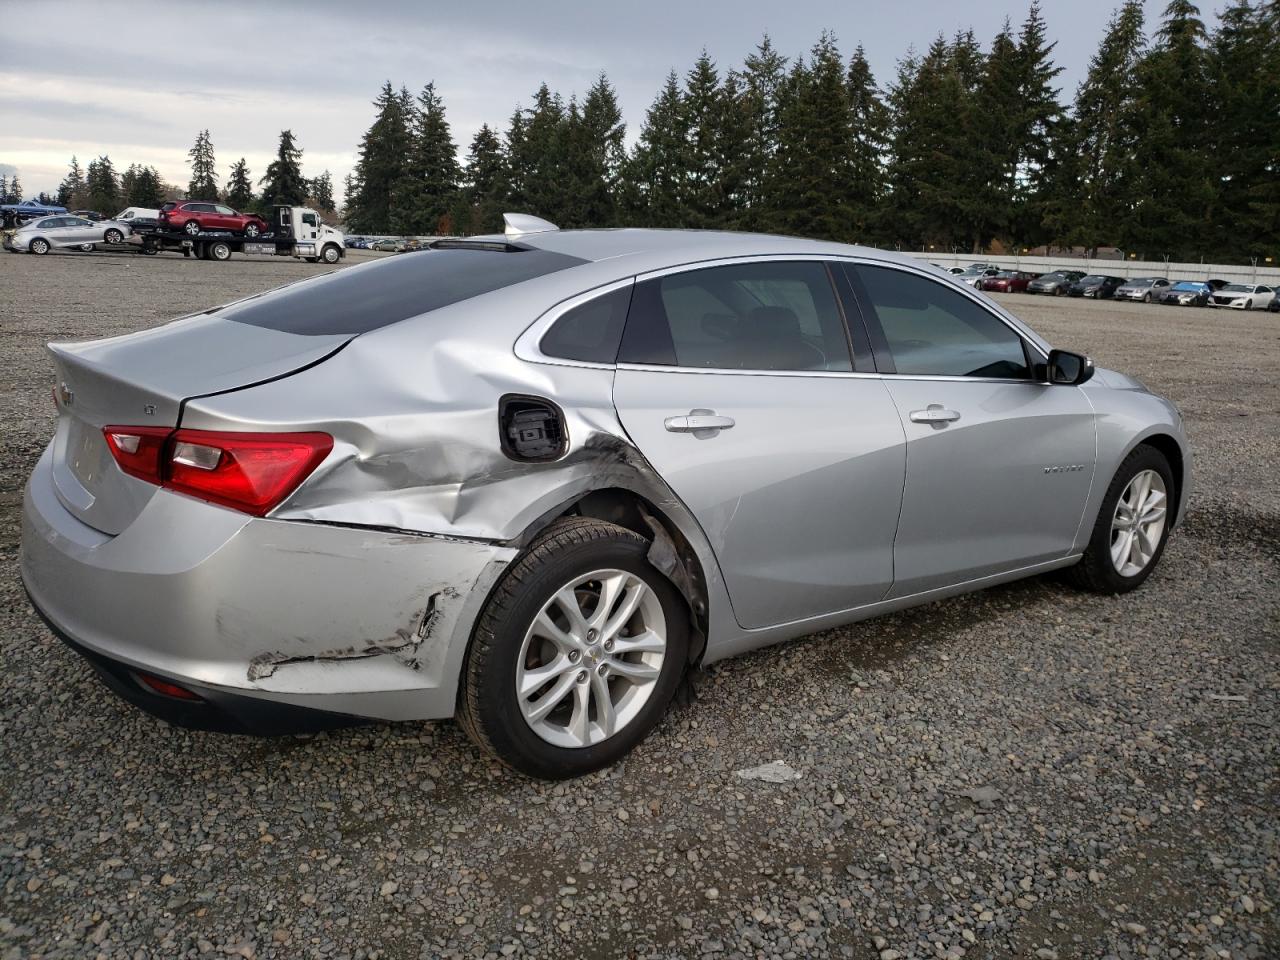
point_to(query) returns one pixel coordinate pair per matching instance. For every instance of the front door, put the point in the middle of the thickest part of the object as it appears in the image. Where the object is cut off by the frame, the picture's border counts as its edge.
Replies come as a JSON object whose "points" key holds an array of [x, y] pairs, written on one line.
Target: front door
{"points": [[735, 382], [999, 465]]}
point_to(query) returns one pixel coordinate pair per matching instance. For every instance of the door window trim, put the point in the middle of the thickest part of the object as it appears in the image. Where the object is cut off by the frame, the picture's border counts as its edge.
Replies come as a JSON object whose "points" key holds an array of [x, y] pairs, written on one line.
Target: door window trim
{"points": [[1030, 349]]}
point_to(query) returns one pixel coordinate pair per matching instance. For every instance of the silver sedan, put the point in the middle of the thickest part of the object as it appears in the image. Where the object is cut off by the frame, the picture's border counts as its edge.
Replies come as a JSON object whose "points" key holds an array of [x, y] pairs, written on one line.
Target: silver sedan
{"points": [[45, 233], [532, 480]]}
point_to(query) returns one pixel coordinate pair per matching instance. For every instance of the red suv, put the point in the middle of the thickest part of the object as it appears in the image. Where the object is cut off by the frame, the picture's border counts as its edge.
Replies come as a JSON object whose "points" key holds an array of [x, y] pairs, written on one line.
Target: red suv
{"points": [[193, 216]]}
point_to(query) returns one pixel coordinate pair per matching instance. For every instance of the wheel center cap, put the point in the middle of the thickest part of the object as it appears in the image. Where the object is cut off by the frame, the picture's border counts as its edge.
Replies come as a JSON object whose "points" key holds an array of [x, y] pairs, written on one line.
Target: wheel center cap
{"points": [[593, 653]]}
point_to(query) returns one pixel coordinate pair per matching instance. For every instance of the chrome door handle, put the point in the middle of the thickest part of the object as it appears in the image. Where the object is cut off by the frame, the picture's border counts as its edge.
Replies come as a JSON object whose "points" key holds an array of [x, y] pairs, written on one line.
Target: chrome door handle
{"points": [[935, 413], [701, 423]]}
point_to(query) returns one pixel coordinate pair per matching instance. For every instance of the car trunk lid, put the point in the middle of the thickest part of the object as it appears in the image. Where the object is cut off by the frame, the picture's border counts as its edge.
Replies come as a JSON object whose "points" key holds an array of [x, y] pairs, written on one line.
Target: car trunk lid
{"points": [[142, 380]]}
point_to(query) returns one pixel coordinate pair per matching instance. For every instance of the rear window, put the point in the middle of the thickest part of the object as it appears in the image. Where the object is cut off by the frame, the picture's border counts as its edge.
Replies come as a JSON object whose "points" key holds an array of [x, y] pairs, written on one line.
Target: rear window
{"points": [[378, 295]]}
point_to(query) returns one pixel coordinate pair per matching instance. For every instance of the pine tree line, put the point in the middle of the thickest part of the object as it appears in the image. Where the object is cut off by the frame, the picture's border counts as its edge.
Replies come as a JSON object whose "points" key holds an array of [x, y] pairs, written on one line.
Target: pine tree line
{"points": [[100, 187], [1171, 146]]}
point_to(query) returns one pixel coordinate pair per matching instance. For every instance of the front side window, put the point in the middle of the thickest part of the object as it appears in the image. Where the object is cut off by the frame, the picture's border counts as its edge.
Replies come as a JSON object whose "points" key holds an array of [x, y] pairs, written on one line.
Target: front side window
{"points": [[225, 211], [309, 219], [591, 331], [771, 315], [933, 330]]}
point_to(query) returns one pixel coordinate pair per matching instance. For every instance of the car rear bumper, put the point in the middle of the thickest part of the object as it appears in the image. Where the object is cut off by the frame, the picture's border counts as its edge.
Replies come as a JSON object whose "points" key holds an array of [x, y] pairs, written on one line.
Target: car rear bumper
{"points": [[265, 620]]}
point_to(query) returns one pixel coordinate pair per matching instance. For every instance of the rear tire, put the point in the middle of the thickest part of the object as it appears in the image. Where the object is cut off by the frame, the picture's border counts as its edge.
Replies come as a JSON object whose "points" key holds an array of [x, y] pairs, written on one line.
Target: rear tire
{"points": [[527, 631], [1107, 565], [191, 228], [219, 250]]}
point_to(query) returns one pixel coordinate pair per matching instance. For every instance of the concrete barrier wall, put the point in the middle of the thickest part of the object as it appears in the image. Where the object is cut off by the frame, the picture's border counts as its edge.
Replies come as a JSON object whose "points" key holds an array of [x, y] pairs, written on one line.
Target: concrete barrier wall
{"points": [[1113, 268]]}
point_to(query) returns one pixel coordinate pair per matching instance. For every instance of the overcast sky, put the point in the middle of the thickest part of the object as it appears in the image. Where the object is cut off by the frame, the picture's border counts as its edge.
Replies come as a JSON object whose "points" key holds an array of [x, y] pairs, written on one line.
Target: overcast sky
{"points": [[136, 81]]}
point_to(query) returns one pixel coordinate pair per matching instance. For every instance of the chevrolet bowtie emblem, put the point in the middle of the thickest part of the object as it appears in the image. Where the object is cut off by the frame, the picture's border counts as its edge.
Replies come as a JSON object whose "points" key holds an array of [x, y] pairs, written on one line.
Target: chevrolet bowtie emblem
{"points": [[66, 394]]}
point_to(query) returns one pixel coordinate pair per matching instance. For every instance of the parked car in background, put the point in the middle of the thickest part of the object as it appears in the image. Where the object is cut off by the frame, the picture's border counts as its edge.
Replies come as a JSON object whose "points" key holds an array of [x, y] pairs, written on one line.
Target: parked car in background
{"points": [[1145, 289], [1274, 305], [1187, 293], [955, 271], [1244, 296], [1056, 283], [1007, 281], [93, 215], [199, 216], [975, 274], [43, 234], [482, 482], [1096, 286], [387, 245], [1217, 284]]}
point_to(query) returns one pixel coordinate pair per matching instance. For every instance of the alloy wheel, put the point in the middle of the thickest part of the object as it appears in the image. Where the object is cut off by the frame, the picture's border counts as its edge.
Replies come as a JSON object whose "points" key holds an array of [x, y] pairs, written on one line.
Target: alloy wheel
{"points": [[1138, 523], [591, 658]]}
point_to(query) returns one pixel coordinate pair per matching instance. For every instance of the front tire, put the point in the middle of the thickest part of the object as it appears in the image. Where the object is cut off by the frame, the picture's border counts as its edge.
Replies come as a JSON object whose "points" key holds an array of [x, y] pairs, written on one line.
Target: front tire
{"points": [[330, 254], [577, 653], [113, 236], [1133, 525], [252, 231], [39, 246]]}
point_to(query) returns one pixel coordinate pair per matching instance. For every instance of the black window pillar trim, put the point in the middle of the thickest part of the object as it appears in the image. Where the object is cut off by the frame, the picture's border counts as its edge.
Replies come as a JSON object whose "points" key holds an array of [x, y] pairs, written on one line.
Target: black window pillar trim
{"points": [[865, 310]]}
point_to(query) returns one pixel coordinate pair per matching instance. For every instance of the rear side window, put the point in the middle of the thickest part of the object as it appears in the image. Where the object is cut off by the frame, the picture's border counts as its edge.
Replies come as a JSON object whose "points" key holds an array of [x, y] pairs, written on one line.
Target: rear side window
{"points": [[933, 330], [377, 295], [756, 316], [591, 331]]}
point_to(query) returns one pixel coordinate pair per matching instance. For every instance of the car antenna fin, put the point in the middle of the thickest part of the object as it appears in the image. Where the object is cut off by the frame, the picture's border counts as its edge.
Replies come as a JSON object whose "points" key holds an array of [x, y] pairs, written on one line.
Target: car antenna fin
{"points": [[518, 224]]}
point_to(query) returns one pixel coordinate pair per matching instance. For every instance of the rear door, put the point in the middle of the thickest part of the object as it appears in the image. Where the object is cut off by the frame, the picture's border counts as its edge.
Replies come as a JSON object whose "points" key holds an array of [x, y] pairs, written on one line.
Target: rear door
{"points": [[999, 465], [735, 382]]}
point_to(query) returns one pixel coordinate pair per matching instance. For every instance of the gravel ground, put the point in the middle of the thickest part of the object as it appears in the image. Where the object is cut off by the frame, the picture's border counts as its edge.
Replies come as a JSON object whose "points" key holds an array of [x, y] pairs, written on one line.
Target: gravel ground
{"points": [[1025, 772]]}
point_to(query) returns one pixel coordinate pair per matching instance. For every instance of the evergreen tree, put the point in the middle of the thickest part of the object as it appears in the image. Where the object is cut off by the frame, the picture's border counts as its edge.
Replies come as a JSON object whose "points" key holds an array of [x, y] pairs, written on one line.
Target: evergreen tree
{"points": [[764, 72], [869, 118], [320, 193], [381, 164], [1175, 157], [283, 182], [536, 148], [814, 179], [204, 182], [4, 189], [603, 153], [1038, 122], [103, 186], [656, 168], [486, 187], [425, 193], [129, 182], [43, 198], [13, 192], [1244, 74], [239, 191], [699, 193], [71, 192], [1106, 131]]}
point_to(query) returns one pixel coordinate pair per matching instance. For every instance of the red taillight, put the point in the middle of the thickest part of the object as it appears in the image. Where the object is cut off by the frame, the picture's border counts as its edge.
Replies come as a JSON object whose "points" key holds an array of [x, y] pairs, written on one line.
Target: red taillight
{"points": [[138, 450], [250, 472], [167, 688]]}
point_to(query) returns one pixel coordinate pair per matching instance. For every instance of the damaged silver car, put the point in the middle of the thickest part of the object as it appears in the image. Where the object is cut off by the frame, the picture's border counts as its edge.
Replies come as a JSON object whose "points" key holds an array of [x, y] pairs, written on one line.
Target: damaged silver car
{"points": [[531, 480]]}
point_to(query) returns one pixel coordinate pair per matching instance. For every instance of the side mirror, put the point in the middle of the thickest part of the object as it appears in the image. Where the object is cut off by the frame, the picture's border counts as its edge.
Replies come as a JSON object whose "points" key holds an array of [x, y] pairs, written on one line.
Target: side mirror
{"points": [[1069, 369]]}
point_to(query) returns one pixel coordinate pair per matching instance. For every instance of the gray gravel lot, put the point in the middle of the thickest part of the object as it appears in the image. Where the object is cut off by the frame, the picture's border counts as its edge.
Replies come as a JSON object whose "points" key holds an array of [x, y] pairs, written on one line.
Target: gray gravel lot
{"points": [[1025, 772]]}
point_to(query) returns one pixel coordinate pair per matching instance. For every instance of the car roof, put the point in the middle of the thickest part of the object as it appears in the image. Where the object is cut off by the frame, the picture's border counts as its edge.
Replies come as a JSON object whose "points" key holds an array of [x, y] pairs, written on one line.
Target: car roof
{"points": [[646, 249]]}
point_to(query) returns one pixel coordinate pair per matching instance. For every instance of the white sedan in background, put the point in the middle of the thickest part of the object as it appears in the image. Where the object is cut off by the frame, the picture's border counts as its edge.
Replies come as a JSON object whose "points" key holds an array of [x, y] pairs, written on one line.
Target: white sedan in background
{"points": [[44, 233], [1243, 296]]}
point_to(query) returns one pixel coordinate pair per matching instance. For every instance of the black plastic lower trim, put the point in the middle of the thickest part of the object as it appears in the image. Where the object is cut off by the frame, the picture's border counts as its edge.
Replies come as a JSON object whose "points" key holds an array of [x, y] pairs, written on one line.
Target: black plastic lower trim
{"points": [[217, 710]]}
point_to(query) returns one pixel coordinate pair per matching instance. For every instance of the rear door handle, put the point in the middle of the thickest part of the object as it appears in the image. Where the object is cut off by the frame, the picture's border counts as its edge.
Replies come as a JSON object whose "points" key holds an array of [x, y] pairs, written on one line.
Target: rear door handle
{"points": [[701, 423], [935, 413]]}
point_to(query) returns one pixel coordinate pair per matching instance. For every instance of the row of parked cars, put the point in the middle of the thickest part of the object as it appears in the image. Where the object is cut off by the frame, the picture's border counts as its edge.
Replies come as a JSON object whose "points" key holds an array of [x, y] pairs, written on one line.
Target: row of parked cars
{"points": [[385, 244], [1098, 286]]}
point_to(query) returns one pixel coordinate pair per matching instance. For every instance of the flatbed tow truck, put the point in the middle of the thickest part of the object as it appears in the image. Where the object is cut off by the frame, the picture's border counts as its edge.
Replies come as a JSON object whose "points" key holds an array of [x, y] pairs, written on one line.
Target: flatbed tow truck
{"points": [[296, 232]]}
